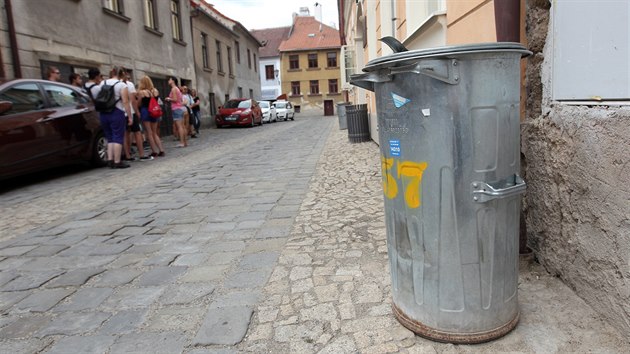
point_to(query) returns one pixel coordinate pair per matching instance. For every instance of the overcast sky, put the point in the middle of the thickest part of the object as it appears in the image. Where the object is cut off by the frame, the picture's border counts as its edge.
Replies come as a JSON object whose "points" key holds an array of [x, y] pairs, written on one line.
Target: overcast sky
{"points": [[258, 14]]}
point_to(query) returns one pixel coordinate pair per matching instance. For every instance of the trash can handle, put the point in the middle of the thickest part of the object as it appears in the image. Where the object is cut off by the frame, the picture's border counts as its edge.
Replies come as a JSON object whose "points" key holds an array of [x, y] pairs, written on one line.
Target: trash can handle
{"points": [[367, 80], [445, 70], [483, 192]]}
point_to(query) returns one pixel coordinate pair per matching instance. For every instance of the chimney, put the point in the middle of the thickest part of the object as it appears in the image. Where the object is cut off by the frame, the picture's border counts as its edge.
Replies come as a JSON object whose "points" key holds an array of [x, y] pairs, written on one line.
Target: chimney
{"points": [[318, 14]]}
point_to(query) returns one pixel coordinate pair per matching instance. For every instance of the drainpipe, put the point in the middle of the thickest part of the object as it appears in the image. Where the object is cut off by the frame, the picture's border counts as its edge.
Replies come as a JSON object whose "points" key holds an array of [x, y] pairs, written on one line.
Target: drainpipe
{"points": [[507, 17], [15, 55]]}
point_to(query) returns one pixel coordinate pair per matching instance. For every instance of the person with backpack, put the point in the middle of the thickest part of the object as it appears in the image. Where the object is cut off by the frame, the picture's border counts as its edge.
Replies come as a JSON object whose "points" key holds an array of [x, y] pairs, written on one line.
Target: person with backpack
{"points": [[94, 79], [111, 100], [150, 113]]}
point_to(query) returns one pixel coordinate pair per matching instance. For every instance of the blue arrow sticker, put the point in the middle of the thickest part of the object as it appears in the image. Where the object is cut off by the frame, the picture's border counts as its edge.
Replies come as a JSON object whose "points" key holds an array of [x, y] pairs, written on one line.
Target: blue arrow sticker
{"points": [[394, 147], [399, 101]]}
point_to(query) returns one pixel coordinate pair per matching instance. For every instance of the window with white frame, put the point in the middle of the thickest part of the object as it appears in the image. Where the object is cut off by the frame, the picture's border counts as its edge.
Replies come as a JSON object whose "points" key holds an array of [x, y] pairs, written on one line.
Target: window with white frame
{"points": [[114, 6], [150, 14], [176, 22]]}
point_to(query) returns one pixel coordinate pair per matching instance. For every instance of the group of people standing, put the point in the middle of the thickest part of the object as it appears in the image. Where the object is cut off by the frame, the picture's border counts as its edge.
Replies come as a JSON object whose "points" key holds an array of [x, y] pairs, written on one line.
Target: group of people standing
{"points": [[122, 125]]}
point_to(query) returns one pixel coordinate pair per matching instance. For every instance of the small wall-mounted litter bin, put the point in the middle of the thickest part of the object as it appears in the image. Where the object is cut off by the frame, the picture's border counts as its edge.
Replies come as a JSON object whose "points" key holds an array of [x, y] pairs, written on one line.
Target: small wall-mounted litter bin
{"points": [[449, 134], [358, 125], [341, 113]]}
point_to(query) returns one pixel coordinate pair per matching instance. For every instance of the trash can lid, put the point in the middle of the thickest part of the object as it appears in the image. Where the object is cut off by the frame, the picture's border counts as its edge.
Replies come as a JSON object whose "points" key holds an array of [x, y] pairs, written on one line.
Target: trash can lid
{"points": [[402, 58]]}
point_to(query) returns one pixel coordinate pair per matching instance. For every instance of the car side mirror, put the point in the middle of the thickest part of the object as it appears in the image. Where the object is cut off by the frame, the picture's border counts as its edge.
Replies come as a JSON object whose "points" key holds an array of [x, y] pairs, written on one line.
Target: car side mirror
{"points": [[5, 106]]}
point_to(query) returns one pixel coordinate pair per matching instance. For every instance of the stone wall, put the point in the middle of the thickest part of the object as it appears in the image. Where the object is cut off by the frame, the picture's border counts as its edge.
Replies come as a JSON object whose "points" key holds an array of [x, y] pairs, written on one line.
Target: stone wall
{"points": [[576, 161]]}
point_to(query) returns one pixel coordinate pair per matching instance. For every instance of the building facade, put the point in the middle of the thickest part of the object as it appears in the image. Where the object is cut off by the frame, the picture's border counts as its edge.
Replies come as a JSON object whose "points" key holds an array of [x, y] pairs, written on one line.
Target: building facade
{"points": [[574, 121], [270, 73], [309, 62], [226, 58], [147, 37]]}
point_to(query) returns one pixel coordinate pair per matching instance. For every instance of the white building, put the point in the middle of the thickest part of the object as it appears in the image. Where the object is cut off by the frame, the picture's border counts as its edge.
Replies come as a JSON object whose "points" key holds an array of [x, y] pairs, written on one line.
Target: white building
{"points": [[270, 74]]}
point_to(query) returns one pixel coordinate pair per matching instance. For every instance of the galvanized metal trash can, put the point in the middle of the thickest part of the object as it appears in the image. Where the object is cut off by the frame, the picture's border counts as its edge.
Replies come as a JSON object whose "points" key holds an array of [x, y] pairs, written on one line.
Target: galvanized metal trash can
{"points": [[341, 113], [358, 125], [449, 134]]}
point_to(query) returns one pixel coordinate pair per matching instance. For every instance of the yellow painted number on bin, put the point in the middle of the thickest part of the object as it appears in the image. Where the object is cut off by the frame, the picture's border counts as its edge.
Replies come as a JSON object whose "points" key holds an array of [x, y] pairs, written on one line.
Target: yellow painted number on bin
{"points": [[390, 189], [409, 170], [412, 170]]}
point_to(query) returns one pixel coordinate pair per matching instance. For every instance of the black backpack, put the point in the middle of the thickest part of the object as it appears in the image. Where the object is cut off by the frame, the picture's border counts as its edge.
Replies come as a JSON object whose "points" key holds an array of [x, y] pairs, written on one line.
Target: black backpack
{"points": [[106, 100]]}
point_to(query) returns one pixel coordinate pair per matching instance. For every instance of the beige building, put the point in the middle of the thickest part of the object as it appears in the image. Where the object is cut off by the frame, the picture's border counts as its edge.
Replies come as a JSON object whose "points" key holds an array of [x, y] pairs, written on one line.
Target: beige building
{"points": [[309, 64], [226, 58], [574, 114]]}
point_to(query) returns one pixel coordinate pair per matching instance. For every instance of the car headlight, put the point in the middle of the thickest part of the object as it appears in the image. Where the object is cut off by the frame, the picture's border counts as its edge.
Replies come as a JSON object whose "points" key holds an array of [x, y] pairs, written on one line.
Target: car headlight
{"points": [[246, 112]]}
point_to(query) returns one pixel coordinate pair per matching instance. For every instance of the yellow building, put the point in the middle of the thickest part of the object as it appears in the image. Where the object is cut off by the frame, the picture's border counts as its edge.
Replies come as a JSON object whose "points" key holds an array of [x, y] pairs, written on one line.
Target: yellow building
{"points": [[310, 61]]}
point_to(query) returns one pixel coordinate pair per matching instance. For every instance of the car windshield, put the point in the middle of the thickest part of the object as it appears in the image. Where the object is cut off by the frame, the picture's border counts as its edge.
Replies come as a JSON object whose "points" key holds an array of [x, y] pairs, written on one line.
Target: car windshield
{"points": [[263, 104], [237, 104], [280, 104]]}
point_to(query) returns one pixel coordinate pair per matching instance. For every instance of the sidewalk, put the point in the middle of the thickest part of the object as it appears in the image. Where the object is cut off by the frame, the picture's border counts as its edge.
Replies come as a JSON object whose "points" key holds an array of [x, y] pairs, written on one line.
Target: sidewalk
{"points": [[330, 291]]}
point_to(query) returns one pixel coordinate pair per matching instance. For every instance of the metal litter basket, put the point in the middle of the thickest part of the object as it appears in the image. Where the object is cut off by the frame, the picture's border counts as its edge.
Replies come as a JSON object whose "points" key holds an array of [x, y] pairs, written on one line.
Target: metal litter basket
{"points": [[449, 136]]}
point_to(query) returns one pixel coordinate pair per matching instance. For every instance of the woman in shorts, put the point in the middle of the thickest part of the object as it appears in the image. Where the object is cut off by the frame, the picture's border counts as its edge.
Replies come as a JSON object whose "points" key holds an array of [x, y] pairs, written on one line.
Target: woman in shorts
{"points": [[175, 97], [146, 90]]}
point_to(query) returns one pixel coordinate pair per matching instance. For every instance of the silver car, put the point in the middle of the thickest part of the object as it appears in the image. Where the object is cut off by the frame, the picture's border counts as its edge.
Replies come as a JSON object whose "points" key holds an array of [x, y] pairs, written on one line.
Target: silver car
{"points": [[284, 110], [268, 111]]}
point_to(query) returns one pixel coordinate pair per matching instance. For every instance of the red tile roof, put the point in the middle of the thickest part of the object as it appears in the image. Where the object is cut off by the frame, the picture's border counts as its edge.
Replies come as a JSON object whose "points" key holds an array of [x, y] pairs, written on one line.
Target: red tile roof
{"points": [[306, 35], [271, 38]]}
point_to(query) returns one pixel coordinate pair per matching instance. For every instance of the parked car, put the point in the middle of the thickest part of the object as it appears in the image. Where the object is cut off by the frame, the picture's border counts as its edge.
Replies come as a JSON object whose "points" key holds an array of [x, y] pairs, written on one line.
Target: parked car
{"points": [[45, 124], [239, 112], [268, 111], [284, 110]]}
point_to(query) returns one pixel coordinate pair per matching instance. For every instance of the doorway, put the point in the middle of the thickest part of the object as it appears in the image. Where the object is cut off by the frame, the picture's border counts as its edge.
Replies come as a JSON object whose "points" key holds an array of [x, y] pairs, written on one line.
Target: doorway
{"points": [[329, 108]]}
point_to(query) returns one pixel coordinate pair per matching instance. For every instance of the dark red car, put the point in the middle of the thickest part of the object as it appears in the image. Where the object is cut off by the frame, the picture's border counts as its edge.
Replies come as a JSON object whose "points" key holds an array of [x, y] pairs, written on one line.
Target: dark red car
{"points": [[239, 112], [44, 124]]}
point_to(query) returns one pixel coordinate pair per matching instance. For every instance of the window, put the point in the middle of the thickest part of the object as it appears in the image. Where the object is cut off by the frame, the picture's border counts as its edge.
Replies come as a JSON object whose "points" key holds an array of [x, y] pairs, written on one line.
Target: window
{"points": [[237, 46], [25, 98], [219, 62], [150, 14], [312, 60], [249, 59], [599, 70], [295, 88], [175, 20], [269, 74], [251, 94], [294, 62], [204, 50], [332, 59], [114, 6], [255, 64], [348, 56], [314, 87], [332, 86], [240, 92], [60, 96], [229, 51]]}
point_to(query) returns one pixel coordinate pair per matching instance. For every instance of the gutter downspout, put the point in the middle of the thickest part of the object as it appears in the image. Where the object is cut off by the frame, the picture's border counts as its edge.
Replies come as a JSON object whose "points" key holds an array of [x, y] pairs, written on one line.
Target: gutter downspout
{"points": [[507, 18], [15, 55]]}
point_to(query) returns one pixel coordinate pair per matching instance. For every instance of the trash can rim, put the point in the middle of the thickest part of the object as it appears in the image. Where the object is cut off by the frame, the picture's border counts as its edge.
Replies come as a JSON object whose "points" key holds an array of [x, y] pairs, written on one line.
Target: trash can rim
{"points": [[444, 52]]}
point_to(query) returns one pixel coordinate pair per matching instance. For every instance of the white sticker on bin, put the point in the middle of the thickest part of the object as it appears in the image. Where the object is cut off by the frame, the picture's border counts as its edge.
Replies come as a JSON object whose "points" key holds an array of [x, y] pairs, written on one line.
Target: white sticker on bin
{"points": [[426, 112]]}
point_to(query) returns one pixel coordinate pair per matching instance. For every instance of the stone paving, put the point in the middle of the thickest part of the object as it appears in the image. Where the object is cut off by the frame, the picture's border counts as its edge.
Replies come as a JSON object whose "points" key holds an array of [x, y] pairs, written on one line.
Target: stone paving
{"points": [[277, 245]]}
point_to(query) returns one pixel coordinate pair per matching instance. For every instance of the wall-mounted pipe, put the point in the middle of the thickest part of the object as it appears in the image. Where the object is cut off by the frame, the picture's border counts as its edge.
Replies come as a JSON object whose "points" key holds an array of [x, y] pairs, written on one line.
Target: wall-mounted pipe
{"points": [[507, 17], [15, 55]]}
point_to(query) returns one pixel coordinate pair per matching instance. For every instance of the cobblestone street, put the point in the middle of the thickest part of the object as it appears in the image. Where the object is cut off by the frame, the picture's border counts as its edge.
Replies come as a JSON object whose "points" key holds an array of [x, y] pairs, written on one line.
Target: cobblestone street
{"points": [[266, 240]]}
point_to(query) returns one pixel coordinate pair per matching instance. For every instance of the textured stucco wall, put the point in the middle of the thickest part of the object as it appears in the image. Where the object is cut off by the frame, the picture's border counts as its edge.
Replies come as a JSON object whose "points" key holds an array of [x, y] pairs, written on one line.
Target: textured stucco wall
{"points": [[577, 167]]}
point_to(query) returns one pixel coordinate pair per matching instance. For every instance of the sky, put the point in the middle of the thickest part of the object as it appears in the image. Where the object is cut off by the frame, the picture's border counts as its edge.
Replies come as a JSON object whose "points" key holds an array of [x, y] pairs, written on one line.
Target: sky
{"points": [[259, 14]]}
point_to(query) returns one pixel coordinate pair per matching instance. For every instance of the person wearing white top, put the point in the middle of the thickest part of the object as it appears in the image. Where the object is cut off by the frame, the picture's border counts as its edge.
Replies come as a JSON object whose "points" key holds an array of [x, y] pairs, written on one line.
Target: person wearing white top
{"points": [[114, 123]]}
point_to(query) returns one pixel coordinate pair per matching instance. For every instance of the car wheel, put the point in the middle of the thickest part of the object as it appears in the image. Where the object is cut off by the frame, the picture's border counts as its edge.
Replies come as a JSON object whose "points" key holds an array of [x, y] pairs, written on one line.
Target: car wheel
{"points": [[99, 150]]}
